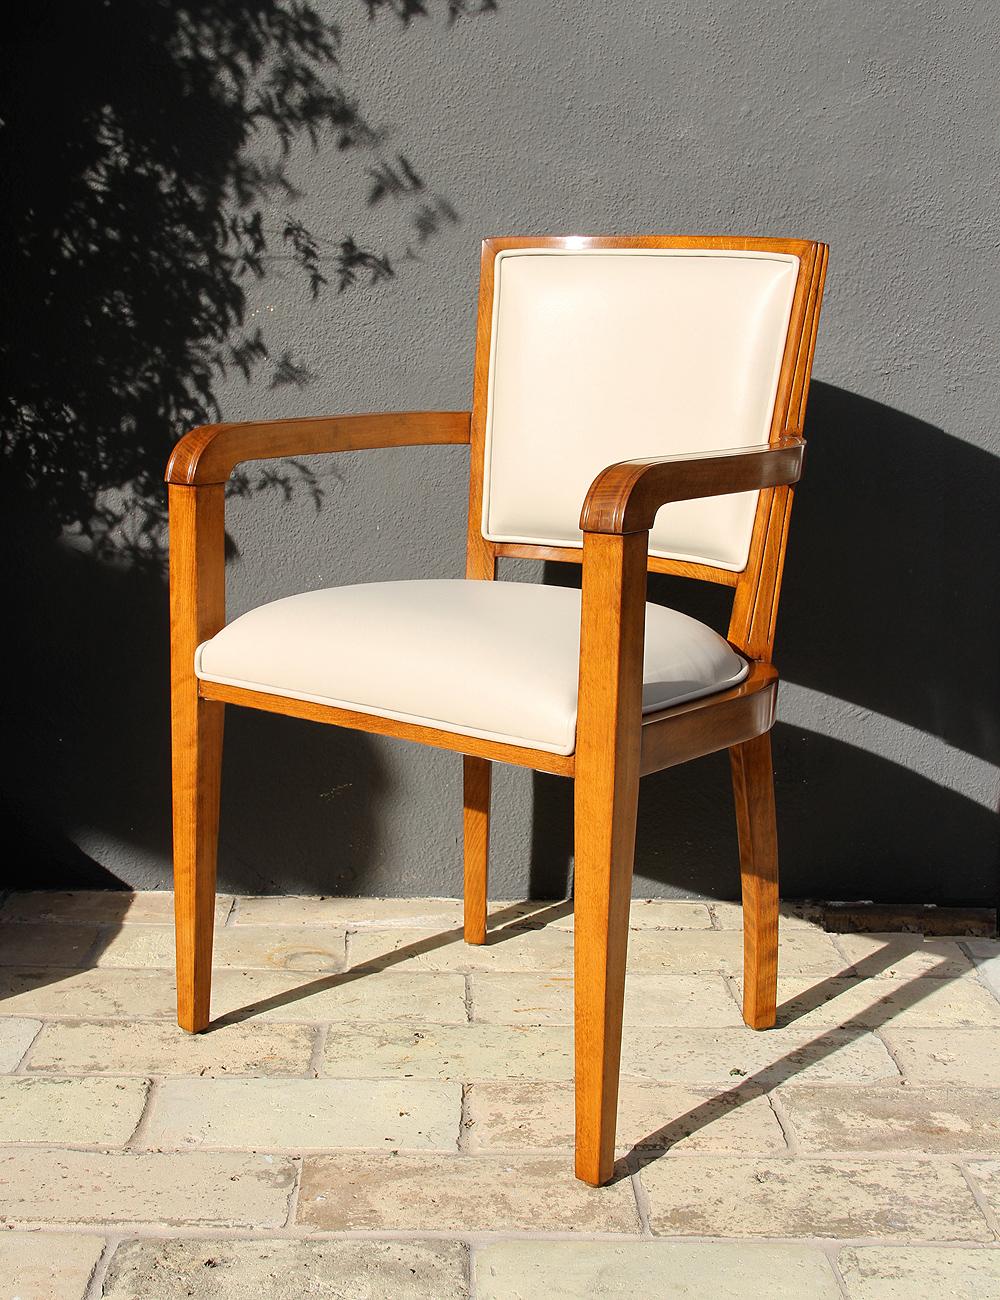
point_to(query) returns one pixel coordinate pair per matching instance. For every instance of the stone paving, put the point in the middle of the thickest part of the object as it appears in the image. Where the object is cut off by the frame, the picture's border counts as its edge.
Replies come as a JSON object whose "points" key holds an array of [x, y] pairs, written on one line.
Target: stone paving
{"points": [[383, 1112]]}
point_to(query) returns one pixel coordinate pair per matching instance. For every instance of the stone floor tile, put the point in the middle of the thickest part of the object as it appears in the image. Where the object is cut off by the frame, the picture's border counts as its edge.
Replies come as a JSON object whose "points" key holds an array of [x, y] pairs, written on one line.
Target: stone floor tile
{"points": [[986, 958], [668, 914], [48, 944], [519, 1116], [904, 956], [920, 1273], [551, 913], [349, 913], [986, 1175], [15, 1039], [507, 949], [459, 1194], [546, 999], [120, 1047], [804, 1001], [299, 948], [644, 914], [893, 1200], [730, 1055], [651, 1270], [101, 1112], [46, 1265], [897, 1117], [794, 916], [962, 1056], [367, 996], [801, 951], [283, 1269], [454, 1052], [101, 907], [304, 1114], [209, 1188], [131, 994], [117, 994]]}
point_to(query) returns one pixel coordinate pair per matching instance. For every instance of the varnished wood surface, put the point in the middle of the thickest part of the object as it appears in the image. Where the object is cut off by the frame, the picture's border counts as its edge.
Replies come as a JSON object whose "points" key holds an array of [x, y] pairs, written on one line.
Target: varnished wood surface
{"points": [[753, 790], [197, 611], [745, 243], [625, 497], [609, 728], [755, 605], [712, 723], [210, 453], [668, 737], [537, 759], [655, 563], [476, 781]]}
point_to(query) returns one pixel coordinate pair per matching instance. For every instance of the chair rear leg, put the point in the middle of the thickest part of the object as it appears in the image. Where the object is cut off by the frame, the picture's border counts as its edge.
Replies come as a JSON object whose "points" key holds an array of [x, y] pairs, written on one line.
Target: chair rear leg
{"points": [[605, 847], [476, 833], [197, 770], [753, 789]]}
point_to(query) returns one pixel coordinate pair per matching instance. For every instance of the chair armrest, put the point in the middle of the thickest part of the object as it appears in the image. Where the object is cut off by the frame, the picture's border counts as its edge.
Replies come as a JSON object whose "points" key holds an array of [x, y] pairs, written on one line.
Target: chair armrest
{"points": [[625, 497], [210, 453]]}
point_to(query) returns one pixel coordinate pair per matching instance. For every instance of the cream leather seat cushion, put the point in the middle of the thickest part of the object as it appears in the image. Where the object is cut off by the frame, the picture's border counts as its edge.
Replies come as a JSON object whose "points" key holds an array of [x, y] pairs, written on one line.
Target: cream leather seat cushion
{"points": [[496, 660]]}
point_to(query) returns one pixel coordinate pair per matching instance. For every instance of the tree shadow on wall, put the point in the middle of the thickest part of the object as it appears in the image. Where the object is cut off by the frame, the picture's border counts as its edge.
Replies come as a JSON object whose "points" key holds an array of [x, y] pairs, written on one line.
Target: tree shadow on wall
{"points": [[146, 183], [888, 606], [147, 150]]}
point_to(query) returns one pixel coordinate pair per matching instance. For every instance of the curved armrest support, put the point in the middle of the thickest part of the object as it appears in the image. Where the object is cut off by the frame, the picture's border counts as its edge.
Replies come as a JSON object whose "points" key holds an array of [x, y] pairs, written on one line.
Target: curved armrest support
{"points": [[625, 497], [210, 453]]}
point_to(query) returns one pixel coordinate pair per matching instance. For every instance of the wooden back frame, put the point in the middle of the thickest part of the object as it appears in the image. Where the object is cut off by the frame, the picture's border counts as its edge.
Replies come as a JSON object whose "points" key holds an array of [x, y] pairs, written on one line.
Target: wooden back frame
{"points": [[755, 603]]}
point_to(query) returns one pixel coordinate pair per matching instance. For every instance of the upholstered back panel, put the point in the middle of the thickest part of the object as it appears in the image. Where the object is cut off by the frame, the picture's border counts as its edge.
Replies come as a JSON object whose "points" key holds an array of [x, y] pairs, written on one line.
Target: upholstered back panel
{"points": [[604, 355]]}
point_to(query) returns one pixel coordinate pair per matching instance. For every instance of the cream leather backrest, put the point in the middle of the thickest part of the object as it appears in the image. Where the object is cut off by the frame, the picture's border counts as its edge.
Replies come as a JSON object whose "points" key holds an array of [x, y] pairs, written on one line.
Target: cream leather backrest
{"points": [[604, 355]]}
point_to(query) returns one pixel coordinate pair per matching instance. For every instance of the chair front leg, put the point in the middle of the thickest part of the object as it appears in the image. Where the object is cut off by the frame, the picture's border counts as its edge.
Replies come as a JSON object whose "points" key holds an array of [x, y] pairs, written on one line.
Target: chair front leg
{"points": [[606, 798], [605, 816], [753, 789], [476, 844], [197, 770], [197, 612]]}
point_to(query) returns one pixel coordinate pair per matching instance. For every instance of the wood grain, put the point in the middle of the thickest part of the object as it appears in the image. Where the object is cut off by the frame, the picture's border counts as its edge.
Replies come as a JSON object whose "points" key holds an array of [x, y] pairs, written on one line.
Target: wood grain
{"points": [[714, 722], [753, 789], [625, 497], [209, 453], [477, 774], [606, 797], [755, 604], [655, 563], [197, 611], [537, 759]]}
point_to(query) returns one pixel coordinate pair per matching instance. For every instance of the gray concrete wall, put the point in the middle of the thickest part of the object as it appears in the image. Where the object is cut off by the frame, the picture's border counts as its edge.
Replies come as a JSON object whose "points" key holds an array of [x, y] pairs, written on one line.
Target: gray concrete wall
{"points": [[872, 127]]}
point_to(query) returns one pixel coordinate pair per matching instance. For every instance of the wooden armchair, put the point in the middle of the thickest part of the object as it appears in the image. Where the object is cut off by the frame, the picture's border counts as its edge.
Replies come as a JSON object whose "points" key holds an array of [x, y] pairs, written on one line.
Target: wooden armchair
{"points": [[613, 378]]}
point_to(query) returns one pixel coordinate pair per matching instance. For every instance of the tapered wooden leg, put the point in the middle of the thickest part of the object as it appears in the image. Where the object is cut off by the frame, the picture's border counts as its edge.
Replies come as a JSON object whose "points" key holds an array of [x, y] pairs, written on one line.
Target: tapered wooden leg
{"points": [[605, 846], [197, 773], [197, 611], [606, 797], [476, 832], [753, 788]]}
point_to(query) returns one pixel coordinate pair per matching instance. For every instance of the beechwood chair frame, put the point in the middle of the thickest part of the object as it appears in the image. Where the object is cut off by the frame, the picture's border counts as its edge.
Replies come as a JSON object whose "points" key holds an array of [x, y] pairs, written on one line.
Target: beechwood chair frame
{"points": [[616, 744]]}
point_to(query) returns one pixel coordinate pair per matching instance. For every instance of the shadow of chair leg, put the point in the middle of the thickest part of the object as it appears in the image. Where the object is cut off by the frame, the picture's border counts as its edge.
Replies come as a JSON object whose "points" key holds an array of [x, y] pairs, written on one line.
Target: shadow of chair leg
{"points": [[519, 920], [902, 996]]}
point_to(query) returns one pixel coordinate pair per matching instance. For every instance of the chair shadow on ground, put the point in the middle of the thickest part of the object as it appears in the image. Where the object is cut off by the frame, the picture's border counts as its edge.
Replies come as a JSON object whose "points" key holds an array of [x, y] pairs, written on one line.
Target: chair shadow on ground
{"points": [[520, 920], [903, 995], [516, 919], [55, 962]]}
